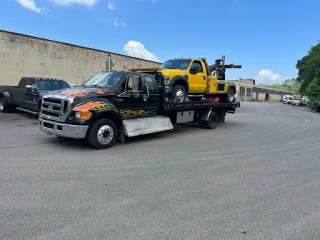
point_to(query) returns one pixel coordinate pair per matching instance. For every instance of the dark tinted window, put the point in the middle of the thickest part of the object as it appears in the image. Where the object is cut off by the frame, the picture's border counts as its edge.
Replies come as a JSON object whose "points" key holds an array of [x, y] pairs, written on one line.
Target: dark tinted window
{"points": [[182, 64], [105, 79], [197, 64], [31, 81], [128, 85], [52, 85], [151, 84]]}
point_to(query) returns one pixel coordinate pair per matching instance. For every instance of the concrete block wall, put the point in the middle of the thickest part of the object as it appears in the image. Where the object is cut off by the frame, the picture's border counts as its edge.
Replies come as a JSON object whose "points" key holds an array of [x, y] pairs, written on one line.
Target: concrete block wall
{"points": [[23, 56], [272, 97]]}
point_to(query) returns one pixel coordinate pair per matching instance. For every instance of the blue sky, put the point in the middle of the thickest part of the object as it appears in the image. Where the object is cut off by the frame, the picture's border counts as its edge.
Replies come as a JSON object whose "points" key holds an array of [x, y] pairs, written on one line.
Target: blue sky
{"points": [[266, 37]]}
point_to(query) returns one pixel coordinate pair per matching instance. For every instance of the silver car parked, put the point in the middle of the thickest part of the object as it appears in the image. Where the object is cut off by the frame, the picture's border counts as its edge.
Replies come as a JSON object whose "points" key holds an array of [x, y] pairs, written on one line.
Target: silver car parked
{"points": [[297, 102]]}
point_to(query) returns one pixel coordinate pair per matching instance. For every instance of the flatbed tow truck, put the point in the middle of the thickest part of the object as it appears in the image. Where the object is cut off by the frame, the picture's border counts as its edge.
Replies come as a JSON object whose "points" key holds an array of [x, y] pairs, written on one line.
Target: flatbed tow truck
{"points": [[110, 106]]}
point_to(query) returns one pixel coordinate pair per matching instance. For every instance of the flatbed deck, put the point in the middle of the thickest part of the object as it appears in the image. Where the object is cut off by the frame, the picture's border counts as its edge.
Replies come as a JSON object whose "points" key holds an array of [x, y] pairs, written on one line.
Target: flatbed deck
{"points": [[194, 105]]}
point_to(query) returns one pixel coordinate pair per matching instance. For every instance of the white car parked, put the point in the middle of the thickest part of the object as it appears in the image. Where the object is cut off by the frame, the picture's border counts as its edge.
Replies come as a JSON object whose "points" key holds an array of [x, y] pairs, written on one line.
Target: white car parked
{"points": [[287, 99]]}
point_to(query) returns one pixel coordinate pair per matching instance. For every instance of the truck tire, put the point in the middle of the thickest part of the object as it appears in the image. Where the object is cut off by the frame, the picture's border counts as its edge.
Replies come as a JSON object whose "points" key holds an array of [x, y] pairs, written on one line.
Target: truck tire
{"points": [[228, 97], [102, 134], [178, 93], [212, 121], [231, 94], [4, 105], [317, 108]]}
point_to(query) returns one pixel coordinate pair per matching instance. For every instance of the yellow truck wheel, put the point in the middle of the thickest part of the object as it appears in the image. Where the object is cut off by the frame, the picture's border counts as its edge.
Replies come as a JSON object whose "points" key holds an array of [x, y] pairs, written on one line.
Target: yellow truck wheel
{"points": [[228, 97], [178, 94]]}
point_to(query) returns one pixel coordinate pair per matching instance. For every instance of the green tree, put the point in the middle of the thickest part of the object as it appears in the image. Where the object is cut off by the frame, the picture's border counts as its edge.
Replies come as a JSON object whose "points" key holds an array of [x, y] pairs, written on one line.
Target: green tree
{"points": [[313, 91], [309, 68], [292, 85], [288, 85]]}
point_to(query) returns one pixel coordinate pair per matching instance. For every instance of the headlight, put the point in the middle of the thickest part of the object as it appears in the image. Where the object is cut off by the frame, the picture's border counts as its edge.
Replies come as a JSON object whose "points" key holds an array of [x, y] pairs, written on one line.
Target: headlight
{"points": [[83, 115]]}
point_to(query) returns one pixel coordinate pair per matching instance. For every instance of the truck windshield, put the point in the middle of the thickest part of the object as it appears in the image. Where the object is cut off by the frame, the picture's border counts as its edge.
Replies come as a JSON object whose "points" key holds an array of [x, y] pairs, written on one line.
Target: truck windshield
{"points": [[104, 79], [52, 85], [182, 64]]}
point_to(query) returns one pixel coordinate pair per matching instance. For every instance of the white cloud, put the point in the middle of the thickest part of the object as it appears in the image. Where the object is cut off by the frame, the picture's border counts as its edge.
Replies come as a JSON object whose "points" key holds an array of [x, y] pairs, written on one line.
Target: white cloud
{"points": [[88, 3], [115, 22], [103, 20], [267, 76], [111, 6], [137, 49], [30, 5]]}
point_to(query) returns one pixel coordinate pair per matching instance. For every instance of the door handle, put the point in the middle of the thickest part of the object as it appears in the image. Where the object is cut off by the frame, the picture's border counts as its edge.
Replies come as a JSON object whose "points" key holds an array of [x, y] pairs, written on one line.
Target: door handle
{"points": [[204, 77]]}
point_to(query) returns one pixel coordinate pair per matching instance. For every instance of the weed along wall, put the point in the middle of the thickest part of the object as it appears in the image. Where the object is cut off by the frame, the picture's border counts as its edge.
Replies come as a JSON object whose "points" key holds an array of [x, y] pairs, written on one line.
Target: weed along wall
{"points": [[28, 56]]}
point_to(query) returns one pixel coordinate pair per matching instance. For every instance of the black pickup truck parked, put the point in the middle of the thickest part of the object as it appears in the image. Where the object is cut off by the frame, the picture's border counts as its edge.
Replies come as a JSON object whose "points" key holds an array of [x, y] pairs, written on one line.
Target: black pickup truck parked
{"points": [[112, 105], [316, 106], [28, 94]]}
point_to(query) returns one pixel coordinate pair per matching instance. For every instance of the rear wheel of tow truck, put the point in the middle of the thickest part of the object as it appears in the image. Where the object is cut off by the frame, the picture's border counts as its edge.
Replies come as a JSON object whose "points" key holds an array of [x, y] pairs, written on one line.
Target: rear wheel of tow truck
{"points": [[4, 106], [212, 121], [102, 134], [178, 94]]}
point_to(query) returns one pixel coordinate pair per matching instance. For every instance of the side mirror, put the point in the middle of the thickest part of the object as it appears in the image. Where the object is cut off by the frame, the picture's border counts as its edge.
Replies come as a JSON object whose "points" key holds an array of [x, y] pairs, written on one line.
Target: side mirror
{"points": [[28, 88], [194, 70], [34, 88], [135, 86]]}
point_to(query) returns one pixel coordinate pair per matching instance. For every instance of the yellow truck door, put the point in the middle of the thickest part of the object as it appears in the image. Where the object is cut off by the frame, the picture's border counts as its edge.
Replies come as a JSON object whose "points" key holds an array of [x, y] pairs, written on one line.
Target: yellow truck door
{"points": [[197, 81]]}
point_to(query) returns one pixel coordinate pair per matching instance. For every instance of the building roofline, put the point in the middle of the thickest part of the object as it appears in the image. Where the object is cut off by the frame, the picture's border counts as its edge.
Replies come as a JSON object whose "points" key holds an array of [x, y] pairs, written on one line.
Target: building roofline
{"points": [[74, 45], [262, 87]]}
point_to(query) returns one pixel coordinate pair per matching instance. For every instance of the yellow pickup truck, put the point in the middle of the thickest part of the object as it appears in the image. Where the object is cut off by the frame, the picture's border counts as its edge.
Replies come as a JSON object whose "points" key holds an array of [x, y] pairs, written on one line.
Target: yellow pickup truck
{"points": [[192, 78]]}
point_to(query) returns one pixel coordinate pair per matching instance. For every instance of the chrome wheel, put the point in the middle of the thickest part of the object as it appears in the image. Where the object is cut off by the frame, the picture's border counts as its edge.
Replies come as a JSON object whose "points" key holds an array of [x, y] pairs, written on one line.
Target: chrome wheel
{"points": [[105, 134], [231, 95], [179, 96], [1, 105]]}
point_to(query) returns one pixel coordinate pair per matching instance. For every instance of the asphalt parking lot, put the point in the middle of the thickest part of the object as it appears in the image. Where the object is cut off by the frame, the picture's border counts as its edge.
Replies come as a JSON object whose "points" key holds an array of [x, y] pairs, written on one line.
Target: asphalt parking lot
{"points": [[254, 177]]}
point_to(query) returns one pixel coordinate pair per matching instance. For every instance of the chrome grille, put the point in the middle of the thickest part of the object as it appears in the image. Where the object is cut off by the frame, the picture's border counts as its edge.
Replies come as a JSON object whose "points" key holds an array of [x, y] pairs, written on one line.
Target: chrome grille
{"points": [[53, 108]]}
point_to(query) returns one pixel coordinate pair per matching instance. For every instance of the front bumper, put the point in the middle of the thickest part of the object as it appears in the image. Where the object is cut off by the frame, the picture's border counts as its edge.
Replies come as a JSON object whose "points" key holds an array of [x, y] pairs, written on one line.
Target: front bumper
{"points": [[63, 130]]}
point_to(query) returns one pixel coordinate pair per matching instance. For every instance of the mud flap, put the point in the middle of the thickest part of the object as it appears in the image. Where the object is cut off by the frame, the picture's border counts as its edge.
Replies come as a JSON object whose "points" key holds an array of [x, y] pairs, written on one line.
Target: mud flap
{"points": [[121, 137], [221, 116], [231, 109]]}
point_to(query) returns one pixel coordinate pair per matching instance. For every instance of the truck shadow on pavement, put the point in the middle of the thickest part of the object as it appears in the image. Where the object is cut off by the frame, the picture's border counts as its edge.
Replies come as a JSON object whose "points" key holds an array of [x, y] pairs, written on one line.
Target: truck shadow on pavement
{"points": [[141, 139], [19, 115]]}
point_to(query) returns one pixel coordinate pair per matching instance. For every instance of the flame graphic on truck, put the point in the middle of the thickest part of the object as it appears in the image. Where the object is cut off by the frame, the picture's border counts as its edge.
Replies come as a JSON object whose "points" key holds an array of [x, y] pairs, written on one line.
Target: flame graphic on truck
{"points": [[73, 93], [94, 106], [125, 114]]}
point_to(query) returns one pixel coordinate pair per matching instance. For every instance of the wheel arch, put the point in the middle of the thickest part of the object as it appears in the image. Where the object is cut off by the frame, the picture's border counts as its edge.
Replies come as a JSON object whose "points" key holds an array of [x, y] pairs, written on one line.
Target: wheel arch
{"points": [[232, 87], [112, 115], [180, 80]]}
